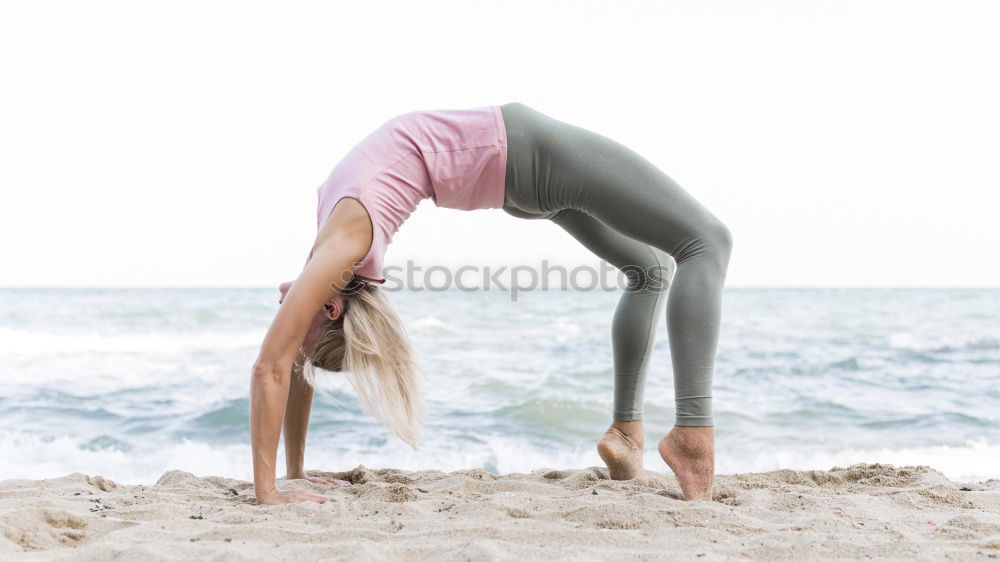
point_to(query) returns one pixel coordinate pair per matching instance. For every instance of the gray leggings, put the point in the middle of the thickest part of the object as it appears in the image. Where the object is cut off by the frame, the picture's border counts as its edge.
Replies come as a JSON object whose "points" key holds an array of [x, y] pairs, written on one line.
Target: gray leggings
{"points": [[632, 215]]}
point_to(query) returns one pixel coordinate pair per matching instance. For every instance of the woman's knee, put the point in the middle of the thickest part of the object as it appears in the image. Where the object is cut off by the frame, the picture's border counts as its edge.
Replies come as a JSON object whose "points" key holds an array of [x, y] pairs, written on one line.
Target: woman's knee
{"points": [[713, 241], [718, 241], [652, 274], [722, 239]]}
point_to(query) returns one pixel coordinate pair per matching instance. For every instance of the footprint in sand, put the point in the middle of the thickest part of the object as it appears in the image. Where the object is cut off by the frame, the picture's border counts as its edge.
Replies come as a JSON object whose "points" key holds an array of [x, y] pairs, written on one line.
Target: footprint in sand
{"points": [[42, 528]]}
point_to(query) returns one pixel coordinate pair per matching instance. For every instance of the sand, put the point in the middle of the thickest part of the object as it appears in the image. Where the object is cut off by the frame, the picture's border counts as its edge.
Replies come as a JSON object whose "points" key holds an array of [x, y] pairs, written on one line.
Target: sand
{"points": [[861, 511]]}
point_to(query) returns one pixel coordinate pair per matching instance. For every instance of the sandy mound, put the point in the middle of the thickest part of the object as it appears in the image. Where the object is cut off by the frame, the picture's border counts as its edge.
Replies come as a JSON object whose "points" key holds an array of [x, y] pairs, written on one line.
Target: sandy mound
{"points": [[859, 511]]}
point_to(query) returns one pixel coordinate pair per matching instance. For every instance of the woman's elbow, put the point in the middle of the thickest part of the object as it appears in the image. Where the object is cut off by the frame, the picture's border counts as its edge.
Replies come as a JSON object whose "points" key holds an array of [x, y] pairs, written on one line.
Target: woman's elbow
{"points": [[268, 372]]}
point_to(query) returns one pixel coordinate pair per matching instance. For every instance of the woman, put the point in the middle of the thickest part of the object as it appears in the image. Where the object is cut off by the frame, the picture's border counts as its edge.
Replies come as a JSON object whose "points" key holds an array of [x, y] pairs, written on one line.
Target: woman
{"points": [[615, 202]]}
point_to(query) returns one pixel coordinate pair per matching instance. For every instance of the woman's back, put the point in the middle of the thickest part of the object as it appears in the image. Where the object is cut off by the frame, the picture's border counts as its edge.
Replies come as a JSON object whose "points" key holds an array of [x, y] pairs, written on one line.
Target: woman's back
{"points": [[455, 157]]}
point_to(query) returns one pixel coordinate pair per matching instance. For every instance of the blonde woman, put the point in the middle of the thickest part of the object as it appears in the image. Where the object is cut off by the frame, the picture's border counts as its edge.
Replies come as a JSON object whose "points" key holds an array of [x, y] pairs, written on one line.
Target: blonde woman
{"points": [[335, 317]]}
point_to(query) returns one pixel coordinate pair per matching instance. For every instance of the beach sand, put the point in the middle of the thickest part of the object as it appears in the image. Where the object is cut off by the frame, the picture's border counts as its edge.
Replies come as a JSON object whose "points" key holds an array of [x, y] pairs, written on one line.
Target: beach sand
{"points": [[861, 511]]}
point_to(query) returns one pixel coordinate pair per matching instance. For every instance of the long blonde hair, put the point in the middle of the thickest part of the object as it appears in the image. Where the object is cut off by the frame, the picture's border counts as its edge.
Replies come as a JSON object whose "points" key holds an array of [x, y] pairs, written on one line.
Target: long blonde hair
{"points": [[369, 344]]}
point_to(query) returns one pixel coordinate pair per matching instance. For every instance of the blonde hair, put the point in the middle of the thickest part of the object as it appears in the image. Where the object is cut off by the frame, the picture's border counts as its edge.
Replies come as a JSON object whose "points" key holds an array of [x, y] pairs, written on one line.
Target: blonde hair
{"points": [[369, 343]]}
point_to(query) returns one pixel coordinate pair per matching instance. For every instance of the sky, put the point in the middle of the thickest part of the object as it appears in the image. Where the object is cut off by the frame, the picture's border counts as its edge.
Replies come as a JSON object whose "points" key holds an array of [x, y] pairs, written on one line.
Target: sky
{"points": [[844, 143]]}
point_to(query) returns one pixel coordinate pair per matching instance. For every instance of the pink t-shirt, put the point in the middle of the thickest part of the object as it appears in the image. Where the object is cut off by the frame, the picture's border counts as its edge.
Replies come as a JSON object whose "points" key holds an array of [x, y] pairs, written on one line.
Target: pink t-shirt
{"points": [[456, 157]]}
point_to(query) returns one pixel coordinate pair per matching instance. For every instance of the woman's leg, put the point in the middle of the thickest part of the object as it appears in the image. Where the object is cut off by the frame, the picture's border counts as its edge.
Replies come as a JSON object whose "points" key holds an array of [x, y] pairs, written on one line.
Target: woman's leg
{"points": [[566, 166], [647, 273], [579, 169], [633, 328]]}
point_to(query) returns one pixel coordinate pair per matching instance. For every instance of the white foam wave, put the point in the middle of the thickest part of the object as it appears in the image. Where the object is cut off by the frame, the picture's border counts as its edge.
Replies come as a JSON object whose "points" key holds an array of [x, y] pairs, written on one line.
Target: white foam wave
{"points": [[910, 342], [19, 342], [428, 323], [975, 460], [26, 456]]}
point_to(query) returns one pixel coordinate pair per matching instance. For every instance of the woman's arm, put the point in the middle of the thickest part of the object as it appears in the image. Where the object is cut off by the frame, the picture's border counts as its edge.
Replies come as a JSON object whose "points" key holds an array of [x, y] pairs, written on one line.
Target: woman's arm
{"points": [[344, 240], [297, 410]]}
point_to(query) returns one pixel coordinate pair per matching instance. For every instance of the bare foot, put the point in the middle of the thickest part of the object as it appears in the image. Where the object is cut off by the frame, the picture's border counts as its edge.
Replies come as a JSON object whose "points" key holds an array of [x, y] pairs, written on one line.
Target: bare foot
{"points": [[621, 449], [690, 453]]}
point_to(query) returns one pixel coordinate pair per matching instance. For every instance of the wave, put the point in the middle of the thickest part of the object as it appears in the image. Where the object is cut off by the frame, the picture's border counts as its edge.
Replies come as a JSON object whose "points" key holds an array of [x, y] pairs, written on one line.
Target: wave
{"points": [[428, 323], [17, 342], [909, 342], [972, 461], [26, 456]]}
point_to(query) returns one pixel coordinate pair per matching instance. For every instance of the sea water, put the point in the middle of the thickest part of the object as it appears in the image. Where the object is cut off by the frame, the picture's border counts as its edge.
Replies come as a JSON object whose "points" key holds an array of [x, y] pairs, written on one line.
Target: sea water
{"points": [[130, 383]]}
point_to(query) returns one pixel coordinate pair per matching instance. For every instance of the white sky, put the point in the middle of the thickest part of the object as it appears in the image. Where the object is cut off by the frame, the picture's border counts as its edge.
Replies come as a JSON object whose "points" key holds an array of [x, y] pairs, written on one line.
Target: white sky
{"points": [[181, 143]]}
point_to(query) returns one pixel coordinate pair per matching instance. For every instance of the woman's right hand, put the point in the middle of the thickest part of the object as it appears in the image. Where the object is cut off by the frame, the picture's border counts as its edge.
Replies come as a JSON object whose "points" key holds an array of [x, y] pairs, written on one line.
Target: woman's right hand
{"points": [[277, 496]]}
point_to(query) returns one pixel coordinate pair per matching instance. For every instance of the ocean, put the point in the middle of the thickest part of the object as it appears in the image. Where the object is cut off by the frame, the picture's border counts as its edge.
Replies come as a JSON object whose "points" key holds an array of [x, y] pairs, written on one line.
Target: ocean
{"points": [[130, 383]]}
